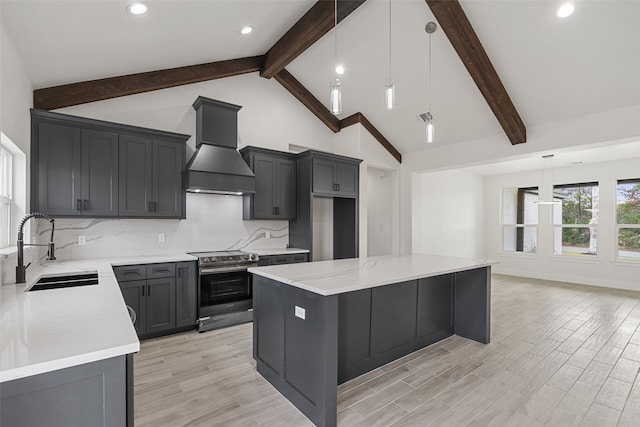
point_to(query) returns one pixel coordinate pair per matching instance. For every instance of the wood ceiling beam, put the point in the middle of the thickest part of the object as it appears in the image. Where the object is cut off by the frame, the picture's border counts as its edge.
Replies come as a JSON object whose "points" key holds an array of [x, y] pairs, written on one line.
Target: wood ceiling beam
{"points": [[360, 118], [303, 95], [314, 105], [456, 26], [318, 21], [67, 95]]}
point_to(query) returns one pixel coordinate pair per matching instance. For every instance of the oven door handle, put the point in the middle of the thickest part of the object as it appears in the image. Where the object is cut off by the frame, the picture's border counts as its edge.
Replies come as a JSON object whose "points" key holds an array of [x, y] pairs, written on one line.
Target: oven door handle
{"points": [[215, 270]]}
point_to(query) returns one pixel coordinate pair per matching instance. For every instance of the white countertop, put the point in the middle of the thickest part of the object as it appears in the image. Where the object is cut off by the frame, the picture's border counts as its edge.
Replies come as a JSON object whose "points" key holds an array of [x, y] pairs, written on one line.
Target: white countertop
{"points": [[46, 330], [282, 251], [346, 275]]}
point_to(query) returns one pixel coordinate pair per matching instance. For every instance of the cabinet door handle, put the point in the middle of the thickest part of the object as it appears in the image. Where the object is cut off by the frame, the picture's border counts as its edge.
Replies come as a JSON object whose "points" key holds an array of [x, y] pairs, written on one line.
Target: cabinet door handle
{"points": [[338, 185], [179, 273], [85, 204], [143, 289], [149, 290], [149, 206], [79, 204], [277, 210], [274, 210]]}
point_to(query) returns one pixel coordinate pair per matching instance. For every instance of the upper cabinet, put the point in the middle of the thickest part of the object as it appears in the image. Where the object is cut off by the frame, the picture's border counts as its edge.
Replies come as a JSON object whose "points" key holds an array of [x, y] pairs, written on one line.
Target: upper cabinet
{"points": [[275, 196], [77, 170], [335, 177], [85, 167], [150, 178]]}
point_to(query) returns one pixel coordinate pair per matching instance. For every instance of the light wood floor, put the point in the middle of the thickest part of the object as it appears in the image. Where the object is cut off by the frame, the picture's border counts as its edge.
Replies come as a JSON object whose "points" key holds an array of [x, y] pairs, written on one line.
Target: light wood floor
{"points": [[561, 354]]}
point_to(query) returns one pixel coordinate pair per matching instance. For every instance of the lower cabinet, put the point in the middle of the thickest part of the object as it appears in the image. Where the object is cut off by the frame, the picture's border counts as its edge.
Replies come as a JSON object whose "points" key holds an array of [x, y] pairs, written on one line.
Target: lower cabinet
{"points": [[282, 259], [93, 394], [163, 296]]}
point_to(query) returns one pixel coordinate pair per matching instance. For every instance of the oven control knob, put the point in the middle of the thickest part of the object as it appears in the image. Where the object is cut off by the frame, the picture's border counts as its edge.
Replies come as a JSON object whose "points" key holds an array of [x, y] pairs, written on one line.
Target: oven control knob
{"points": [[213, 259], [254, 257], [205, 260], [246, 257]]}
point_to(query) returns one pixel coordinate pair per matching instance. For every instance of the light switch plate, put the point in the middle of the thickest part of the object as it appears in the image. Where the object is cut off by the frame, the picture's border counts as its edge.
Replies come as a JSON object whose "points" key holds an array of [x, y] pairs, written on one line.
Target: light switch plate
{"points": [[162, 238], [300, 312], [82, 240]]}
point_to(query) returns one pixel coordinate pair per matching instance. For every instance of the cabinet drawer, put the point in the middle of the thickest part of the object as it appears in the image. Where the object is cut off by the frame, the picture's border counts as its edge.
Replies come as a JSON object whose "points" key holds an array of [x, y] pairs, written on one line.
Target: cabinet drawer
{"points": [[280, 259], [264, 260], [156, 271], [128, 273], [296, 258]]}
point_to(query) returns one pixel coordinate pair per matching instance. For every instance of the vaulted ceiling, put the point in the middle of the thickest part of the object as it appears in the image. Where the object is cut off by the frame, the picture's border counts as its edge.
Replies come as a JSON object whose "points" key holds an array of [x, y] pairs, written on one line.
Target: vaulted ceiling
{"points": [[553, 69]]}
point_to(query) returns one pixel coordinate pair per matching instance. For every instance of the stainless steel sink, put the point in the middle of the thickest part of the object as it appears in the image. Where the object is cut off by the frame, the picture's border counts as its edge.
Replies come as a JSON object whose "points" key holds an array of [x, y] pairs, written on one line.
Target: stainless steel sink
{"points": [[66, 281]]}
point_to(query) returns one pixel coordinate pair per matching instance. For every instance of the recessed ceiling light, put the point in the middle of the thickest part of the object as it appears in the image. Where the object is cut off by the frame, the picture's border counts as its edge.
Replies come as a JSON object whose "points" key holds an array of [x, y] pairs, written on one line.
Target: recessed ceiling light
{"points": [[137, 8], [565, 10], [246, 30], [339, 69]]}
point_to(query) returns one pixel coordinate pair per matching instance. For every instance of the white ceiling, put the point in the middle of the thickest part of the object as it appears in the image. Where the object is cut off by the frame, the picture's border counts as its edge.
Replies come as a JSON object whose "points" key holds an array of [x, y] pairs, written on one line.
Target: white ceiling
{"points": [[553, 69]]}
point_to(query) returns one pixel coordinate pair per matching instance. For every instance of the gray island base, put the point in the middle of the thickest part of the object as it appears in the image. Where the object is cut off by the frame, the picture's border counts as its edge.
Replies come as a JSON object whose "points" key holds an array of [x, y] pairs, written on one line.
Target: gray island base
{"points": [[318, 325]]}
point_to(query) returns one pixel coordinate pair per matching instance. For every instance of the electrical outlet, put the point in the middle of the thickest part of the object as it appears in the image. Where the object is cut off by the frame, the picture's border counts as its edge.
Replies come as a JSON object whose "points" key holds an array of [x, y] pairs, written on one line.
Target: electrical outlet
{"points": [[162, 238], [82, 240], [300, 312], [267, 234]]}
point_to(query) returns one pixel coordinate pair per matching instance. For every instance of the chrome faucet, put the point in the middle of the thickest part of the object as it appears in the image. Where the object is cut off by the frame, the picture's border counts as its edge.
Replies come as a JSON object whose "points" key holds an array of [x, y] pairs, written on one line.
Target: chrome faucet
{"points": [[21, 269]]}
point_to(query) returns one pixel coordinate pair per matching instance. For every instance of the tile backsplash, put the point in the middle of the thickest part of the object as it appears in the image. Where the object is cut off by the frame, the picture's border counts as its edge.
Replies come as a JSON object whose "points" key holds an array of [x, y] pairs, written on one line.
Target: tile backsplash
{"points": [[214, 222]]}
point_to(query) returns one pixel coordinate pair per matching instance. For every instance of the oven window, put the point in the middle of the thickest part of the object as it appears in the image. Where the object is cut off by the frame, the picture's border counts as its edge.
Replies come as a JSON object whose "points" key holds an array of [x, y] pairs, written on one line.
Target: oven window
{"points": [[223, 288]]}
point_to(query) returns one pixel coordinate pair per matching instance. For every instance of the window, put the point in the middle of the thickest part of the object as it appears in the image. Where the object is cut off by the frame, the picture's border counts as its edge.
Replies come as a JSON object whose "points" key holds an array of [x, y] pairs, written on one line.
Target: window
{"points": [[576, 220], [6, 164], [628, 219], [520, 219]]}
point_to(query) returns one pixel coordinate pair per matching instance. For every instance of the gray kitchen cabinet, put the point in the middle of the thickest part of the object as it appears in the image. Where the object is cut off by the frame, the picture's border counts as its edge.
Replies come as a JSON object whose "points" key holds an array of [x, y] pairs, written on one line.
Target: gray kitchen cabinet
{"points": [[186, 294], [281, 259], [135, 176], [324, 175], [76, 170], [99, 180], [161, 305], [163, 295], [150, 178], [92, 394], [275, 196], [134, 293], [335, 177], [92, 168]]}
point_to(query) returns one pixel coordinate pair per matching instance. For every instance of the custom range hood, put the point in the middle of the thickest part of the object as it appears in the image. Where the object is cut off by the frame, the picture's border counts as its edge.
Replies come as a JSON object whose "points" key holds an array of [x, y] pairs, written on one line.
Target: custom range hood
{"points": [[216, 166]]}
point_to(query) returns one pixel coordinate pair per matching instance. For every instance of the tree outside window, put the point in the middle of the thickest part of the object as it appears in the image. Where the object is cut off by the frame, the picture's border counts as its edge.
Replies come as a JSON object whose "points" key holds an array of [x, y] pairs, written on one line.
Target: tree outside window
{"points": [[628, 219], [576, 220]]}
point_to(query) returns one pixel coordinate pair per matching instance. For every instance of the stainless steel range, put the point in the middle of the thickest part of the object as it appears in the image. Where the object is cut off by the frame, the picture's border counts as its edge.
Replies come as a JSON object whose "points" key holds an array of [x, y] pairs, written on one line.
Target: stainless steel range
{"points": [[224, 288]]}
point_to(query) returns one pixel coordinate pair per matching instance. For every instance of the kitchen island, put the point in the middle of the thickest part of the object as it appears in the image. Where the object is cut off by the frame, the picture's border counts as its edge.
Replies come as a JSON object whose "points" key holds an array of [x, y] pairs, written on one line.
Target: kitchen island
{"points": [[319, 324]]}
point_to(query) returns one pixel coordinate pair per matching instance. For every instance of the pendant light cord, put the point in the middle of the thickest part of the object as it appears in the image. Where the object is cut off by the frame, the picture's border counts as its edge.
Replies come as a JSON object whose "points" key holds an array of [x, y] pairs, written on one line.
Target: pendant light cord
{"points": [[429, 72], [335, 33], [389, 41]]}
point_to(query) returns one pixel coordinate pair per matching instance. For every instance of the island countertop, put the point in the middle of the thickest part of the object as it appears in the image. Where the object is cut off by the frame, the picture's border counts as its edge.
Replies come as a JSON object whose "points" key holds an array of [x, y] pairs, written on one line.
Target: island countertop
{"points": [[346, 275], [46, 330]]}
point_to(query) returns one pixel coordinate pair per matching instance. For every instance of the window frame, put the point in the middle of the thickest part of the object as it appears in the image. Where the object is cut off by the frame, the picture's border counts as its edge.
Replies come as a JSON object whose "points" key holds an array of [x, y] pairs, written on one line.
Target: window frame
{"points": [[619, 226], [519, 226], [562, 226], [6, 192]]}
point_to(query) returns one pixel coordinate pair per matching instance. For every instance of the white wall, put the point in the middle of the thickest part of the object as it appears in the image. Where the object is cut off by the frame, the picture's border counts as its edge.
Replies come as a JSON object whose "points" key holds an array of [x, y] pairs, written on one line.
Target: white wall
{"points": [[603, 270], [379, 212], [15, 102], [447, 213], [602, 129]]}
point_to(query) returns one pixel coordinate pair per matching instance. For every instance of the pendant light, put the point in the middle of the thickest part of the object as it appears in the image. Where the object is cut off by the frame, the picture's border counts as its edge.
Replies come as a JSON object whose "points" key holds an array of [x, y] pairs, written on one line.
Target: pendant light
{"points": [[390, 91], [336, 85], [430, 29]]}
